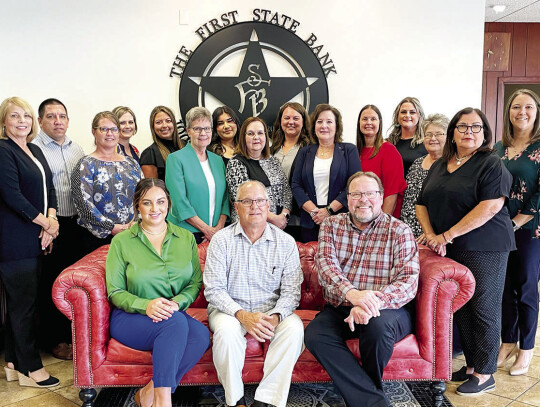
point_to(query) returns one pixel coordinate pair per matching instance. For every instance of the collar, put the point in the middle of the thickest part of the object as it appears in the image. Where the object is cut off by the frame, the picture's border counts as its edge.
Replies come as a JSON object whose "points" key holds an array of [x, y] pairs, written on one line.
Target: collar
{"points": [[48, 140], [136, 230], [267, 234]]}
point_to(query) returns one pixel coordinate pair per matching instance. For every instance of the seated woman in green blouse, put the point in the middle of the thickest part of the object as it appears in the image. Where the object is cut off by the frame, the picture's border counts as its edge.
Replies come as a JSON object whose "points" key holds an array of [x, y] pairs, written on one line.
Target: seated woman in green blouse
{"points": [[153, 274]]}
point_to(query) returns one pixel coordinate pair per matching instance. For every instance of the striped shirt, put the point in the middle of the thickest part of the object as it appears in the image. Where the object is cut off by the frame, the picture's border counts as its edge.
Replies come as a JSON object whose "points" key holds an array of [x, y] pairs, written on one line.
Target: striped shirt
{"points": [[264, 276], [62, 160], [383, 257]]}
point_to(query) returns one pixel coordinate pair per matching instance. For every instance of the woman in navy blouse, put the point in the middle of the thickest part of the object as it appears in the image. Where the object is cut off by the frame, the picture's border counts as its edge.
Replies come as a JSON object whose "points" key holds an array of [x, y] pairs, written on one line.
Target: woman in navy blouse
{"points": [[28, 225], [322, 170], [520, 153]]}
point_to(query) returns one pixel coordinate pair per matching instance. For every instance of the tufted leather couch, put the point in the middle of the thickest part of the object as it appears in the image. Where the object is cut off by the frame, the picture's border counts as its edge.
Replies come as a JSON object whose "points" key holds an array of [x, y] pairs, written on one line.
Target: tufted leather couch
{"points": [[100, 361]]}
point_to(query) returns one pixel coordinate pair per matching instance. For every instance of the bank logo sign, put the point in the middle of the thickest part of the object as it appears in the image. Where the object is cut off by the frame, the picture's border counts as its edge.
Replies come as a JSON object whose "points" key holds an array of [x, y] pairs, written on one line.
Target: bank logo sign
{"points": [[254, 68]]}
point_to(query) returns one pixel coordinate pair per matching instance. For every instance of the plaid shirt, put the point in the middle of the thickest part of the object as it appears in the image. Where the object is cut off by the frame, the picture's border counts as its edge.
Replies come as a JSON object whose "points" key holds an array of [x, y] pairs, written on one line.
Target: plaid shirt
{"points": [[383, 257], [264, 276]]}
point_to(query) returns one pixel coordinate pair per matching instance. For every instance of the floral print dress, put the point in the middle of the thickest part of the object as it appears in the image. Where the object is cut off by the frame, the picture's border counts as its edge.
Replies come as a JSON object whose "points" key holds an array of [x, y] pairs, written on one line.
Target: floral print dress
{"points": [[414, 180], [525, 191], [103, 193]]}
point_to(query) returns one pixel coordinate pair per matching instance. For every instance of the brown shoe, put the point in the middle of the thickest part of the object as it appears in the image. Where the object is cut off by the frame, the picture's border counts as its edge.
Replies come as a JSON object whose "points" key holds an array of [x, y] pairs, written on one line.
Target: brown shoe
{"points": [[63, 351]]}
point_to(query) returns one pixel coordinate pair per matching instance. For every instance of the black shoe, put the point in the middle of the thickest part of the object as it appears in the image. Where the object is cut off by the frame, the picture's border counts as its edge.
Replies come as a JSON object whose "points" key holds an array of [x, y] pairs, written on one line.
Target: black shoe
{"points": [[472, 388], [257, 403], [461, 375]]}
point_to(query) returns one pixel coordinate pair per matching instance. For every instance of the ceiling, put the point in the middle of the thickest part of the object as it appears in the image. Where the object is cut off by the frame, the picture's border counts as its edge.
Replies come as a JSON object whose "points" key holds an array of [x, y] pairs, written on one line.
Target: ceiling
{"points": [[517, 11]]}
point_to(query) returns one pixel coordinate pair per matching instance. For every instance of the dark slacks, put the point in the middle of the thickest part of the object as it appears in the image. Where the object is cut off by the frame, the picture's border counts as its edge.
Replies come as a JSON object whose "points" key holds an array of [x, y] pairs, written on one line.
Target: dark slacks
{"points": [[177, 343], [55, 328], [479, 320], [520, 296], [360, 385], [20, 278]]}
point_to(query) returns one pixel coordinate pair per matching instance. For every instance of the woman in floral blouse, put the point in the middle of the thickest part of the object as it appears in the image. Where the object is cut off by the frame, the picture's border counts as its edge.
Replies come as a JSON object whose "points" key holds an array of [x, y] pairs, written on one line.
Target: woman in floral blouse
{"points": [[434, 129], [254, 162], [103, 184], [520, 152]]}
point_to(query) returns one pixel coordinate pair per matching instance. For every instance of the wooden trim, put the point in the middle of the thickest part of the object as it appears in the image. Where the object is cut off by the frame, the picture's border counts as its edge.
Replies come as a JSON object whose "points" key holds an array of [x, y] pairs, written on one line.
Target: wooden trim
{"points": [[503, 80]]}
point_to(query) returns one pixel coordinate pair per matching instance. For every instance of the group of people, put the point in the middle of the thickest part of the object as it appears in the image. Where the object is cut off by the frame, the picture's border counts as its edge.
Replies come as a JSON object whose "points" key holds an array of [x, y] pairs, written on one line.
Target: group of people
{"points": [[439, 176]]}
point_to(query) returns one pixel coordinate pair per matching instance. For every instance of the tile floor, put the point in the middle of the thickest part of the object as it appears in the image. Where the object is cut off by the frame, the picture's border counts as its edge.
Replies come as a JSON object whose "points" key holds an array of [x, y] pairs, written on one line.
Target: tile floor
{"points": [[519, 391]]}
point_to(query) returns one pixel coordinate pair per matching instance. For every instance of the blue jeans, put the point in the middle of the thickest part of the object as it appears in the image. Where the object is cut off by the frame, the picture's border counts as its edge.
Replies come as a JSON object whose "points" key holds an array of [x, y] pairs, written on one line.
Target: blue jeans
{"points": [[177, 343]]}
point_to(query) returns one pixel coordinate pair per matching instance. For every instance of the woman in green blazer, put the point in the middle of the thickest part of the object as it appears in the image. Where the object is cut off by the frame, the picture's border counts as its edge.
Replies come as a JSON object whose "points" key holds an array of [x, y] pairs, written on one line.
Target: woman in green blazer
{"points": [[196, 181]]}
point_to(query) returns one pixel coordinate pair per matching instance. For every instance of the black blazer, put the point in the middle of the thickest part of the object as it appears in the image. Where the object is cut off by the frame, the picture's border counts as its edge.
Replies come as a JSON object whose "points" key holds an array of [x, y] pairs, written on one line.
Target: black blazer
{"points": [[21, 200], [345, 163]]}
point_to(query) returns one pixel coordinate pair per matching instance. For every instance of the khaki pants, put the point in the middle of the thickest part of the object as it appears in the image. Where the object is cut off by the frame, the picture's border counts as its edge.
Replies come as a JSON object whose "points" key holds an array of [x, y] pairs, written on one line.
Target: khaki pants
{"points": [[229, 350]]}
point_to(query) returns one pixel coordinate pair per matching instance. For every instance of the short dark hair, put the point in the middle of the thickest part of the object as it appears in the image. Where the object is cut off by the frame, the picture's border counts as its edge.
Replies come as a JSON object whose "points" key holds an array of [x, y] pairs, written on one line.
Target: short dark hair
{"points": [[368, 174], [323, 107], [241, 148], [47, 102], [450, 148]]}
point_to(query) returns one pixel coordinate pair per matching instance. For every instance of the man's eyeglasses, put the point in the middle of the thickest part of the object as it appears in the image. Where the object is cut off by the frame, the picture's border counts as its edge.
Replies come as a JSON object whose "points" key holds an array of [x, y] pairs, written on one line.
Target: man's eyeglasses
{"points": [[248, 202], [367, 194]]}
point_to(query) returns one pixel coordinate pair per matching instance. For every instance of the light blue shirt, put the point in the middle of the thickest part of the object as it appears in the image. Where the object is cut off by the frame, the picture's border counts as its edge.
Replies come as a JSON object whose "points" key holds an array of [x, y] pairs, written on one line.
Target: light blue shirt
{"points": [[264, 276]]}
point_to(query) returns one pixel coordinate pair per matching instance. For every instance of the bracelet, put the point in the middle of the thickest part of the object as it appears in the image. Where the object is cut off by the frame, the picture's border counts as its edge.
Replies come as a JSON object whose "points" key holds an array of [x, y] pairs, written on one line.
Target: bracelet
{"points": [[516, 227], [313, 212], [446, 240], [330, 210], [53, 217]]}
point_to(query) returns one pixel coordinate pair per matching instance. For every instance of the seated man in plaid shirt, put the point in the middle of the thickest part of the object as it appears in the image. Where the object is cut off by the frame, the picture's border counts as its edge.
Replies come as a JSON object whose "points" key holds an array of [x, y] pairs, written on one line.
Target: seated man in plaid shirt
{"points": [[252, 283], [368, 267]]}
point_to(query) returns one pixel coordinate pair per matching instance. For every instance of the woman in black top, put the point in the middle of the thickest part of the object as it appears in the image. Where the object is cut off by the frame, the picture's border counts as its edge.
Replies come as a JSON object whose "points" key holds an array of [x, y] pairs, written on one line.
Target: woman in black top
{"points": [[225, 126], [28, 225], [406, 132], [462, 202], [166, 141]]}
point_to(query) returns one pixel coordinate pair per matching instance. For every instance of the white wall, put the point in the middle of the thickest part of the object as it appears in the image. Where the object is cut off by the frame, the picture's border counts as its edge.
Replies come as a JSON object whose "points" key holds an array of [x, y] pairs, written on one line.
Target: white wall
{"points": [[94, 55]]}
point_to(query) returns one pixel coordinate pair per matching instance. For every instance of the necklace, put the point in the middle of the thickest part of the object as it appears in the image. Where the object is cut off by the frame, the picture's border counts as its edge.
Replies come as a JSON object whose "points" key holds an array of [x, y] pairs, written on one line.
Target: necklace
{"points": [[153, 233], [459, 160], [325, 154]]}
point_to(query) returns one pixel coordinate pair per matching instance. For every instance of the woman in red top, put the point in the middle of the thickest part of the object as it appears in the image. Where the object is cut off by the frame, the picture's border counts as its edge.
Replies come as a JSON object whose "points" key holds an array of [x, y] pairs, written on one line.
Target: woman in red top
{"points": [[380, 157]]}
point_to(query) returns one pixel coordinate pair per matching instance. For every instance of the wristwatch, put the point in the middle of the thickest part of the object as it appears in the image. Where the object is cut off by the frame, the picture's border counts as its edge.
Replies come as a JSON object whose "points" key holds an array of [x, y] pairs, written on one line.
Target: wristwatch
{"points": [[330, 210]]}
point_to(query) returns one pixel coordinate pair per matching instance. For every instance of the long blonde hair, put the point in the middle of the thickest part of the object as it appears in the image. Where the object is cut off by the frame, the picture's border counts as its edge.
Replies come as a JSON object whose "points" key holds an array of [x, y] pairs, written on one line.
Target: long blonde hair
{"points": [[395, 130]]}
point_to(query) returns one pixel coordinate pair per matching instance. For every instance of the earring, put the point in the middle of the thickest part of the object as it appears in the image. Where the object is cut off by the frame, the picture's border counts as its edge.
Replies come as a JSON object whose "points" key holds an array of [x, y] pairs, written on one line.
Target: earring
{"points": [[453, 141]]}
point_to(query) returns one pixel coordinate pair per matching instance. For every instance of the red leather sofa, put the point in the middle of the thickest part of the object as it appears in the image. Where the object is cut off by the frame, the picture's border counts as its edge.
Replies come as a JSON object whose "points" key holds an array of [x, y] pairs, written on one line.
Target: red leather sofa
{"points": [[100, 361]]}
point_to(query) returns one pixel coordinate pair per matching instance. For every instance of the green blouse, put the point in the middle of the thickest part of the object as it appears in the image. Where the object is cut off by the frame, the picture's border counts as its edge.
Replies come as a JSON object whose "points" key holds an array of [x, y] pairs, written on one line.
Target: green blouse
{"points": [[525, 191], [136, 273]]}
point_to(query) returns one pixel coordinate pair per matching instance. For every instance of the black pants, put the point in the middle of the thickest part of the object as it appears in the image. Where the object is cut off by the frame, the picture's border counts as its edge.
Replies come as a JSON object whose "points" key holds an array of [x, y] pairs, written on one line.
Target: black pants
{"points": [[360, 385], [55, 328], [479, 320], [20, 278], [520, 297]]}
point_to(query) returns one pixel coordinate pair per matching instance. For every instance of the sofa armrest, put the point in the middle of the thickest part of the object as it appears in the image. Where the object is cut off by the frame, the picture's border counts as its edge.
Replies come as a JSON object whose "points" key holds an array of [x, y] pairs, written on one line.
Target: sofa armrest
{"points": [[80, 293], [444, 287]]}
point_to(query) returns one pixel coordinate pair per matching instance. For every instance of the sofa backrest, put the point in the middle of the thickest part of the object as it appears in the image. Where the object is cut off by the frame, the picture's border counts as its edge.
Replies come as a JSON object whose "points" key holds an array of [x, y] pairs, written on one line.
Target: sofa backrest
{"points": [[311, 296]]}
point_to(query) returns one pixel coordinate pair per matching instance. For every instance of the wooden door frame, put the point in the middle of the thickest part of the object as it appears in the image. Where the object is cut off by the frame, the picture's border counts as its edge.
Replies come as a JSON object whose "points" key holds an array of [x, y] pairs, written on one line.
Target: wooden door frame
{"points": [[503, 80]]}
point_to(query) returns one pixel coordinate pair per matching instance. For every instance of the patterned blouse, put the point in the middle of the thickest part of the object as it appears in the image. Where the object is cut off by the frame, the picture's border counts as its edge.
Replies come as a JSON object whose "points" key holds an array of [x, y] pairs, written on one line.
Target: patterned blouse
{"points": [[415, 178], [279, 191], [103, 193], [525, 191]]}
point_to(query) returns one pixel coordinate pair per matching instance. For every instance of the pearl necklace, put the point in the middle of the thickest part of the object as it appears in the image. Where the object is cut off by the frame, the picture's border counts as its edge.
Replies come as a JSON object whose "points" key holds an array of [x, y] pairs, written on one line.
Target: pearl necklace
{"points": [[459, 160], [153, 233]]}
